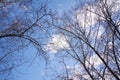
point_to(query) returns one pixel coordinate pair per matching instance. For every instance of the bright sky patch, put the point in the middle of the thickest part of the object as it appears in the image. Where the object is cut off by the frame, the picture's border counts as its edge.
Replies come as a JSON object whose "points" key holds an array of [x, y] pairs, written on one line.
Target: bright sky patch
{"points": [[56, 43]]}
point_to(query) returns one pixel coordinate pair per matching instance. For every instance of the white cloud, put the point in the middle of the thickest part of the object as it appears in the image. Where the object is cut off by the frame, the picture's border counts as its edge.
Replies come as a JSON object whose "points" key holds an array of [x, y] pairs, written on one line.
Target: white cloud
{"points": [[90, 14], [100, 32], [94, 60], [115, 4], [77, 72], [97, 33], [56, 43], [85, 17], [110, 45]]}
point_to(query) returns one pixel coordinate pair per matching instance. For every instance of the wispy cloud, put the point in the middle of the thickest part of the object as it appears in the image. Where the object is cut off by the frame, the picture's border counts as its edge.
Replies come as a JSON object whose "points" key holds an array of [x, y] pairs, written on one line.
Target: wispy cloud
{"points": [[57, 42]]}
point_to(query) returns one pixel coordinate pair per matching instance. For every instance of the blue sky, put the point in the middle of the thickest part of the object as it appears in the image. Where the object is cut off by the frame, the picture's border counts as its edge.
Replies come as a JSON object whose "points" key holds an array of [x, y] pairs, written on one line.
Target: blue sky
{"points": [[36, 69], [61, 5]]}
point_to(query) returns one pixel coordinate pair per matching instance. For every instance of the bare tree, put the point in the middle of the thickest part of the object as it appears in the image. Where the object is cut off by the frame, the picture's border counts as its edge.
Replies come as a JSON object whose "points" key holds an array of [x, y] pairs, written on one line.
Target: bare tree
{"points": [[21, 24], [92, 31]]}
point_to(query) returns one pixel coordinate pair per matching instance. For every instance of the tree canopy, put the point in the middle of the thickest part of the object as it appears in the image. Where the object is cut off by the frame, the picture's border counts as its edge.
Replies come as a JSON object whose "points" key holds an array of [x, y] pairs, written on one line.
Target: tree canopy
{"points": [[85, 40]]}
